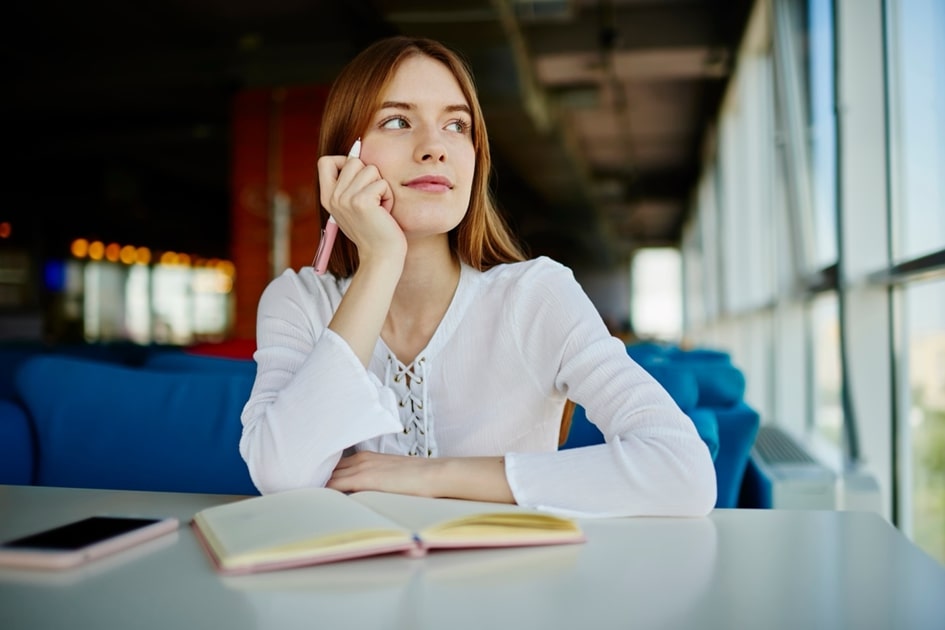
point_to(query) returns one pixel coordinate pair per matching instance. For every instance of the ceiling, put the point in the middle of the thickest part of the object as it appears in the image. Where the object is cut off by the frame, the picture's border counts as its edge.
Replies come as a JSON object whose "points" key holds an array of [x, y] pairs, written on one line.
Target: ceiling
{"points": [[596, 109]]}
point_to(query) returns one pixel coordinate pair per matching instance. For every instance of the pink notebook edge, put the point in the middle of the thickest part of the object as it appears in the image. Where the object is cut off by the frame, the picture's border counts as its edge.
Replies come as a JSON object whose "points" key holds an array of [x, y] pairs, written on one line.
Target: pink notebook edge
{"points": [[413, 548], [410, 547]]}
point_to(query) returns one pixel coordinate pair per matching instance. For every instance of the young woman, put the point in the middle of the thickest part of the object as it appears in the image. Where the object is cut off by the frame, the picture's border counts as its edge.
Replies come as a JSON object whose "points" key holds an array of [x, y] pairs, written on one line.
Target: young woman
{"points": [[432, 358]]}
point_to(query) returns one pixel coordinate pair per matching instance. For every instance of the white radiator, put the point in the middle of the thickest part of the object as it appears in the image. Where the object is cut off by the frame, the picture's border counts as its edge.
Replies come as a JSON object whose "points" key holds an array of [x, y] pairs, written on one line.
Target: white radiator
{"points": [[798, 481]]}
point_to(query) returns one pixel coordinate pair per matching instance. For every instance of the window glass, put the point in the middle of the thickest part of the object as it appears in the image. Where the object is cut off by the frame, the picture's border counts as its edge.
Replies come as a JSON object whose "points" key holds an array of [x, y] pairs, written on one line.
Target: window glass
{"points": [[657, 293], [924, 345], [711, 242], [104, 309], [917, 122], [173, 304], [730, 191], [827, 409], [822, 129], [211, 287], [138, 304], [693, 269]]}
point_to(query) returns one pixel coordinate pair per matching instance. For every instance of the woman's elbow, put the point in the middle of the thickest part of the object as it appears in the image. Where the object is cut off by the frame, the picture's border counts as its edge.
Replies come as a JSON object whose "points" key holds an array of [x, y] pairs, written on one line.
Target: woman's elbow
{"points": [[270, 479], [690, 489], [269, 472], [700, 487]]}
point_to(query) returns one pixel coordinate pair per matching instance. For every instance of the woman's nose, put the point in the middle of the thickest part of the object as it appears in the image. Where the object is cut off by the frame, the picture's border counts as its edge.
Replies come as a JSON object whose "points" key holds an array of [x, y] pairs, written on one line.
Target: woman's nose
{"points": [[430, 148]]}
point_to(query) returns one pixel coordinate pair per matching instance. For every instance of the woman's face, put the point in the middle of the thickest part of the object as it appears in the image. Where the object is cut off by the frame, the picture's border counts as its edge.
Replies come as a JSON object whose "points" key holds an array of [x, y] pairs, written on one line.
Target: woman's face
{"points": [[421, 142]]}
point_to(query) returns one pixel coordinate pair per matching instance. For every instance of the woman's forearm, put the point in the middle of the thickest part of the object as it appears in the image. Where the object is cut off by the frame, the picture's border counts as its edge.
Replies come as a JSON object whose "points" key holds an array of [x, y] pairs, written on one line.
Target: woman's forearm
{"points": [[474, 478], [361, 313]]}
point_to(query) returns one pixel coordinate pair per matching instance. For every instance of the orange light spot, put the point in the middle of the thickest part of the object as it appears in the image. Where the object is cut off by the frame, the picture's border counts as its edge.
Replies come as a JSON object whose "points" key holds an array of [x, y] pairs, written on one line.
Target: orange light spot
{"points": [[112, 252], [80, 248], [127, 254], [97, 250]]}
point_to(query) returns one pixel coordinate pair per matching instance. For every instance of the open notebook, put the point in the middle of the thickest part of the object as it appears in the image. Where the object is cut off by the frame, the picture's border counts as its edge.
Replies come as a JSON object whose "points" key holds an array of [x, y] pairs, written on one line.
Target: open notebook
{"points": [[316, 525]]}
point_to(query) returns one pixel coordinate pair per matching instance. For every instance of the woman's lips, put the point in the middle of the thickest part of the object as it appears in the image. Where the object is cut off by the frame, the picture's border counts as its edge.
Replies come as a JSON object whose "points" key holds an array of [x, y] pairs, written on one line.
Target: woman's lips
{"points": [[430, 183]]}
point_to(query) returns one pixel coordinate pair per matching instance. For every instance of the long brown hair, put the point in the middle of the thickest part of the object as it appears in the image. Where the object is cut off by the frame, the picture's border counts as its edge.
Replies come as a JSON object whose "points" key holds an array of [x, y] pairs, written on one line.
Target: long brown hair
{"points": [[482, 239]]}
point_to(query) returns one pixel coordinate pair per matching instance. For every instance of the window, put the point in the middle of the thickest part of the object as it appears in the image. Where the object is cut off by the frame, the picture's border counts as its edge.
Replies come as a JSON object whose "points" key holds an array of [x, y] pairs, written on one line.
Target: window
{"points": [[656, 294], [917, 123], [822, 129], [855, 328], [916, 104], [824, 357], [163, 303], [923, 425]]}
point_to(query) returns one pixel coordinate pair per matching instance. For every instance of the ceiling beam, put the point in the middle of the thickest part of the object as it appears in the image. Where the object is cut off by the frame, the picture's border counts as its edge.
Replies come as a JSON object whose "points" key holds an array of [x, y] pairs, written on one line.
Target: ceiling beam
{"points": [[654, 26]]}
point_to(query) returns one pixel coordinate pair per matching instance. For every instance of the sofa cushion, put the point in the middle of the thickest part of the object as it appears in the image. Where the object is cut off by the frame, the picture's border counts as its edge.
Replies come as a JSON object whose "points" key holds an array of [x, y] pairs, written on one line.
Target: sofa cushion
{"points": [[101, 425], [738, 427], [16, 442], [708, 428], [721, 384], [171, 361], [678, 381], [651, 351]]}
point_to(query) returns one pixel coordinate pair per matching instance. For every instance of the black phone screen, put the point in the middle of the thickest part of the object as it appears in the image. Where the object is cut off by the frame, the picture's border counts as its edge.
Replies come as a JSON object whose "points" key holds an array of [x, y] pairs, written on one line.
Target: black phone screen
{"points": [[79, 534]]}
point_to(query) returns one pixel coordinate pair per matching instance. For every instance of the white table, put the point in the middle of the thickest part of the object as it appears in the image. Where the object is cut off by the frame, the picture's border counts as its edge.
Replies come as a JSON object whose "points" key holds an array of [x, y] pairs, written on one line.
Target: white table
{"points": [[764, 569]]}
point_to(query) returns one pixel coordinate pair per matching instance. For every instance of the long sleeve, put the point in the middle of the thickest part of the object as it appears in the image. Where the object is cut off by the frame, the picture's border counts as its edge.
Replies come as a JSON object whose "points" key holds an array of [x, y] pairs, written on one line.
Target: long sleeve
{"points": [[516, 341], [653, 461], [312, 398]]}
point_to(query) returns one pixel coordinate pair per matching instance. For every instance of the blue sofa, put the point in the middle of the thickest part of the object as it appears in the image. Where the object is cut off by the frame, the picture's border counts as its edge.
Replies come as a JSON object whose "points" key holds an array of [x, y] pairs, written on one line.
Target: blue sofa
{"points": [[169, 420], [169, 423], [710, 390]]}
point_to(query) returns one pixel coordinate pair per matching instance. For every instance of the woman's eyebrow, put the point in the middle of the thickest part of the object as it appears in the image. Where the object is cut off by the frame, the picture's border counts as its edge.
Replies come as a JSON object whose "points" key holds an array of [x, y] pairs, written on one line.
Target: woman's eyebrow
{"points": [[395, 105], [460, 107]]}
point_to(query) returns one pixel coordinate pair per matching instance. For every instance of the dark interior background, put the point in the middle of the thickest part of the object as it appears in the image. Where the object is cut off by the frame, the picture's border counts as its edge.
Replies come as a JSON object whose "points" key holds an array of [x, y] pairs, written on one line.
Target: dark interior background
{"points": [[118, 113]]}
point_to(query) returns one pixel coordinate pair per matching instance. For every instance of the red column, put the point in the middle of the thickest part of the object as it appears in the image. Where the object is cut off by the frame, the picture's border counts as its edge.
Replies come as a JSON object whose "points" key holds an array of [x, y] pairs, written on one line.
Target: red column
{"points": [[274, 145]]}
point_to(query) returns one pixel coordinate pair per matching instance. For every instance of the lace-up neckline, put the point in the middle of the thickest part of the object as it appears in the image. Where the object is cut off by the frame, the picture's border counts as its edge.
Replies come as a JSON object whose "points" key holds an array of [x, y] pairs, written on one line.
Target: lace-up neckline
{"points": [[409, 382]]}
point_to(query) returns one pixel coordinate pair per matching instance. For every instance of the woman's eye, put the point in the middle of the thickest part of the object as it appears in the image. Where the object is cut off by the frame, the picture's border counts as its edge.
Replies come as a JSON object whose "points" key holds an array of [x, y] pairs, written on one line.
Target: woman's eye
{"points": [[459, 126], [395, 123]]}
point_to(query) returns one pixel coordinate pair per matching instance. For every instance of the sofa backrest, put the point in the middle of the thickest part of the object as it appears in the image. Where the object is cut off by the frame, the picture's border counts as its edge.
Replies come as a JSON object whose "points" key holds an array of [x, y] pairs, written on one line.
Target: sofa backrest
{"points": [[16, 445], [102, 425], [175, 360], [710, 390]]}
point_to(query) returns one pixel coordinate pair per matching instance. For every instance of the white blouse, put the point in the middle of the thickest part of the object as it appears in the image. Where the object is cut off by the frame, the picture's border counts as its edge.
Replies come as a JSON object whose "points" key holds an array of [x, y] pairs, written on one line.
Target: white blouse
{"points": [[515, 342]]}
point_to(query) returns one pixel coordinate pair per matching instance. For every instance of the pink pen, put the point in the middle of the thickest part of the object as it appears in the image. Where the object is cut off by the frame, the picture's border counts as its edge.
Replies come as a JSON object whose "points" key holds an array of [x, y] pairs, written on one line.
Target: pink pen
{"points": [[327, 240]]}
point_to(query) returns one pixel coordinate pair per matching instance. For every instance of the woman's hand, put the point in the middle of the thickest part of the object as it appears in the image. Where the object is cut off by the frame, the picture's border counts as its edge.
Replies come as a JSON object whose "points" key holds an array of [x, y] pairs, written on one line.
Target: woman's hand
{"points": [[475, 478], [360, 201]]}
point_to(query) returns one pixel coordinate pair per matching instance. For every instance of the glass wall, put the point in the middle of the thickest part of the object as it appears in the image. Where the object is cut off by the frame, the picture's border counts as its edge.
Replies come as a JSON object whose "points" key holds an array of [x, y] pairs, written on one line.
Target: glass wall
{"points": [[923, 379], [916, 104], [822, 128], [838, 317], [824, 353], [917, 123]]}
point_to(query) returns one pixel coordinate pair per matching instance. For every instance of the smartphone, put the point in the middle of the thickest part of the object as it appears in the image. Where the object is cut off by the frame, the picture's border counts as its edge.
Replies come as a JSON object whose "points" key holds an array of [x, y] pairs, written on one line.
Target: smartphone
{"points": [[80, 541]]}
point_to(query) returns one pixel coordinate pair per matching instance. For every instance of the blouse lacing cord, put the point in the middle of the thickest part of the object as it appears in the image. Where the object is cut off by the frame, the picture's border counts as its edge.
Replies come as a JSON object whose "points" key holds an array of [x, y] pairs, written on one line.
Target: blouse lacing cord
{"points": [[405, 379]]}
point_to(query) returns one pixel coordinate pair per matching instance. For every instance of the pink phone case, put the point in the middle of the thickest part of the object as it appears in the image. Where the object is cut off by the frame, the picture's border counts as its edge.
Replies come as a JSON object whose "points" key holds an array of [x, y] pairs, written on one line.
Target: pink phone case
{"points": [[36, 558]]}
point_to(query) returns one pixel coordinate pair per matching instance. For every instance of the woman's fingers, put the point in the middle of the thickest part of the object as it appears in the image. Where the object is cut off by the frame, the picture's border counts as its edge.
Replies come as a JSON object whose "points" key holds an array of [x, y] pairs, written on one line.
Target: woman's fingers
{"points": [[342, 180], [388, 473], [370, 190], [359, 200], [329, 168]]}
